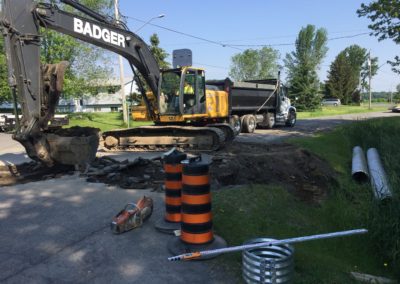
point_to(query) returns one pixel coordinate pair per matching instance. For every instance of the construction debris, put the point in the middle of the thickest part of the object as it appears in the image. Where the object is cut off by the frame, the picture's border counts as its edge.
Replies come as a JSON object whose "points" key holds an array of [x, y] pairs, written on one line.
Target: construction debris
{"points": [[299, 171], [137, 174]]}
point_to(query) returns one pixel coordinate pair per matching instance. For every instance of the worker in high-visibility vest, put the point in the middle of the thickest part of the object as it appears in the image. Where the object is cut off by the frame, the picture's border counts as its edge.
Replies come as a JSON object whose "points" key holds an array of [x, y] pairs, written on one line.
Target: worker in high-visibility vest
{"points": [[188, 89]]}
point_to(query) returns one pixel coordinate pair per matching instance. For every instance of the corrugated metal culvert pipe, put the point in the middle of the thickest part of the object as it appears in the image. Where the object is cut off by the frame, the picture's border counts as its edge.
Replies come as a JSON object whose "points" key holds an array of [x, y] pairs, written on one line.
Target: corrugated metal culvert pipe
{"points": [[269, 264], [359, 168], [379, 180]]}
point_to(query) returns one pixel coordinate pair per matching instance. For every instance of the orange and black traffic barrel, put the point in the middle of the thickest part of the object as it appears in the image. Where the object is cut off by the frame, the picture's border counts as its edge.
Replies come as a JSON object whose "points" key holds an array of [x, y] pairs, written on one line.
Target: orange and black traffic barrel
{"points": [[196, 225], [173, 186]]}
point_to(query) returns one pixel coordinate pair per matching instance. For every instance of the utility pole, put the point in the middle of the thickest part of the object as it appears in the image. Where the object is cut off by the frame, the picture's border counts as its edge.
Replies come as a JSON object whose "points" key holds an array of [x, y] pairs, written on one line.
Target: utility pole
{"points": [[391, 94], [370, 76], [121, 71]]}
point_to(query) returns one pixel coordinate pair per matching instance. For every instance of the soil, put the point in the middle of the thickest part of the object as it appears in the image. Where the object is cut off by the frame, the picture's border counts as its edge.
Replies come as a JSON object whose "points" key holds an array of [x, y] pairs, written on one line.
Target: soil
{"points": [[299, 171], [75, 131], [30, 172], [296, 169]]}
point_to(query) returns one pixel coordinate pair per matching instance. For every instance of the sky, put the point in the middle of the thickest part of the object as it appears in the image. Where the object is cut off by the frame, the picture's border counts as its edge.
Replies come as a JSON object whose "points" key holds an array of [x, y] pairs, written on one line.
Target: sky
{"points": [[256, 22]]}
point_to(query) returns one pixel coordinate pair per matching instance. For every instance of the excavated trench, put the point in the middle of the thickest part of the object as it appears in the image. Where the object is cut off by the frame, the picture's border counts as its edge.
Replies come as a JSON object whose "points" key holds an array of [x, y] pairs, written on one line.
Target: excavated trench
{"points": [[299, 171]]}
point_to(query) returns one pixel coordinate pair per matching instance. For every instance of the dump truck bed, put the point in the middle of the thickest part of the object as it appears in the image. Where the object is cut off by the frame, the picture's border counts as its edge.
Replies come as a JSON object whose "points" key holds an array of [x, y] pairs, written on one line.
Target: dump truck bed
{"points": [[249, 96]]}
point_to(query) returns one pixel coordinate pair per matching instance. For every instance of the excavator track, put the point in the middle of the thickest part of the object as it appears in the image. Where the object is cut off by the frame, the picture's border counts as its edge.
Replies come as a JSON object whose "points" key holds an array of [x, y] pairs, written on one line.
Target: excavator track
{"points": [[156, 138]]}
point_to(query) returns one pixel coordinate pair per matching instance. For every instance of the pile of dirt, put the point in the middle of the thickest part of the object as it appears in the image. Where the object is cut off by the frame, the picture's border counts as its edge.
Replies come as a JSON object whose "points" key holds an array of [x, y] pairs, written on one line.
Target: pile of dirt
{"points": [[75, 131], [296, 169], [31, 172], [301, 172]]}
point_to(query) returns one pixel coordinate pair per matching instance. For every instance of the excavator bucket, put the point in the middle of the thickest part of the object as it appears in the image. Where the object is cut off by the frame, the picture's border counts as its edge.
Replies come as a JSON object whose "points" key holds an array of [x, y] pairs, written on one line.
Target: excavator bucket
{"points": [[71, 146], [74, 146]]}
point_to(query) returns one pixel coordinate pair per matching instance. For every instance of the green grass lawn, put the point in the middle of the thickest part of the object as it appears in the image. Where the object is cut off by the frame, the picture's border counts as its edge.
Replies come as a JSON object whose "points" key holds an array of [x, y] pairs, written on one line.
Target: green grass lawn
{"points": [[327, 111], [104, 121], [113, 120], [248, 212]]}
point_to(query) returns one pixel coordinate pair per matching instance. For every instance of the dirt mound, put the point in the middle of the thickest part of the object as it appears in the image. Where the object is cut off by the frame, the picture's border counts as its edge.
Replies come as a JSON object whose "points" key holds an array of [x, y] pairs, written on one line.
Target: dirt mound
{"points": [[301, 172], [30, 172], [75, 131], [296, 169]]}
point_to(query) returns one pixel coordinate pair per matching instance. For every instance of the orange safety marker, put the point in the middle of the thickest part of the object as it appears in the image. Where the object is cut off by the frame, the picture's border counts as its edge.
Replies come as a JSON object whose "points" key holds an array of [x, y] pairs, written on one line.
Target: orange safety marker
{"points": [[196, 226], [173, 186]]}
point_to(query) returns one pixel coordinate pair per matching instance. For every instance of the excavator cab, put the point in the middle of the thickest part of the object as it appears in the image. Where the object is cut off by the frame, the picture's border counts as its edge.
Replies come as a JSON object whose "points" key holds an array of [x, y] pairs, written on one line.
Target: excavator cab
{"points": [[182, 93]]}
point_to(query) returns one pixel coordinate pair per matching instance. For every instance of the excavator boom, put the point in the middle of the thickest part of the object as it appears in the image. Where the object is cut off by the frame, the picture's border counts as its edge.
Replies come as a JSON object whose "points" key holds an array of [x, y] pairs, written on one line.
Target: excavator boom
{"points": [[37, 88]]}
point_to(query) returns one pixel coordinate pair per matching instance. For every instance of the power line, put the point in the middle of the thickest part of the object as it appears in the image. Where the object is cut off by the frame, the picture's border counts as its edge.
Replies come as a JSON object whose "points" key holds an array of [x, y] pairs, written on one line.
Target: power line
{"points": [[288, 44], [236, 46], [188, 35], [261, 38], [350, 36], [209, 65], [205, 64]]}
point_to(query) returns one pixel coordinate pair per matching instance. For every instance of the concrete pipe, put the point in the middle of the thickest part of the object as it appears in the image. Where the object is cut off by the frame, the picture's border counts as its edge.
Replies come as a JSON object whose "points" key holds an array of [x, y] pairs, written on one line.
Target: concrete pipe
{"points": [[359, 168], [379, 180]]}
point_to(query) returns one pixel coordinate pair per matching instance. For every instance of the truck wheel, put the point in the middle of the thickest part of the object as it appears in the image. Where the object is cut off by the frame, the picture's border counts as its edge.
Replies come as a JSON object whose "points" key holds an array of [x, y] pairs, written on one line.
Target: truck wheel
{"points": [[292, 118], [270, 121], [249, 123], [236, 124]]}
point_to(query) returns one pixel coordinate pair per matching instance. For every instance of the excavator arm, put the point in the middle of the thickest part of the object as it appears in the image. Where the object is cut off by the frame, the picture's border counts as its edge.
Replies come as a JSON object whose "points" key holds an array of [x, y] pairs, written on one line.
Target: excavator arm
{"points": [[38, 87]]}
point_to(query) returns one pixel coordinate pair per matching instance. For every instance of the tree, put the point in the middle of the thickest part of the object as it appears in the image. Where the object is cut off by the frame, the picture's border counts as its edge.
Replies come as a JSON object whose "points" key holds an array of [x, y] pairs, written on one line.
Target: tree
{"points": [[341, 79], [159, 53], [302, 66], [348, 71], [385, 17], [396, 96], [5, 94], [88, 63], [254, 64]]}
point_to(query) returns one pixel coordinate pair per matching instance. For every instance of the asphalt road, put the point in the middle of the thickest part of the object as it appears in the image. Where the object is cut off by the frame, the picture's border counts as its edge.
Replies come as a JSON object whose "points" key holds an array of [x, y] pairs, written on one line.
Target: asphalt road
{"points": [[308, 127], [11, 151], [57, 231]]}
